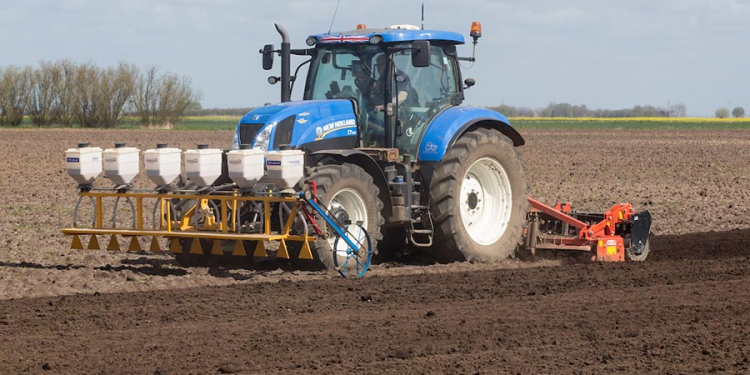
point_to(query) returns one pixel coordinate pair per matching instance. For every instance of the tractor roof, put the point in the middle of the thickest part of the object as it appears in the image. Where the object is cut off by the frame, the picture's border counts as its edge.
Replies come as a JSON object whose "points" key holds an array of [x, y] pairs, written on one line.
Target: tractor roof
{"points": [[389, 35]]}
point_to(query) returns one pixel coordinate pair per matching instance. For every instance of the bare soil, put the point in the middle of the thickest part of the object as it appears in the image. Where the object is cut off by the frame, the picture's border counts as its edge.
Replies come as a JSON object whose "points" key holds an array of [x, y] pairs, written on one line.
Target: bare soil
{"points": [[685, 310]]}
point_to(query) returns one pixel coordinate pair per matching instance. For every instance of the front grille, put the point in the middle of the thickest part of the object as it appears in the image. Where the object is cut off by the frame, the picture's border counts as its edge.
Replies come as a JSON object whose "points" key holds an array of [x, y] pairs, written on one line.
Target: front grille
{"points": [[248, 132]]}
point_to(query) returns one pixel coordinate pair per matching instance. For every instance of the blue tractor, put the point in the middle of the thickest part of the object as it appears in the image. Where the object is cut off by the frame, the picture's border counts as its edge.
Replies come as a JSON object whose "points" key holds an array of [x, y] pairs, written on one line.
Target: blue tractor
{"points": [[388, 143]]}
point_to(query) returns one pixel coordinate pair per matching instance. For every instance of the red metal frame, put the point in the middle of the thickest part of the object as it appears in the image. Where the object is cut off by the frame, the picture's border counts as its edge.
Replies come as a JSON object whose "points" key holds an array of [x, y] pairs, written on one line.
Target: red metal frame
{"points": [[599, 238]]}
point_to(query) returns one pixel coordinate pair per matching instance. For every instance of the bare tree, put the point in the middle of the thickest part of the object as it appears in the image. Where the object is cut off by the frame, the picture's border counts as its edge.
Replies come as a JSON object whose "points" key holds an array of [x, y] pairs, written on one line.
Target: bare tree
{"points": [[722, 112], [65, 113], [14, 94], [176, 95], [101, 94], [43, 95], [83, 92], [116, 87], [678, 110], [161, 99], [145, 99]]}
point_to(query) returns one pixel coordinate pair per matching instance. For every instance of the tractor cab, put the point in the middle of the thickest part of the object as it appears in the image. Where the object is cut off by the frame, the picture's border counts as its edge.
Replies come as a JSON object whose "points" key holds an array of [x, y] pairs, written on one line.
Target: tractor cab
{"points": [[400, 78], [397, 78]]}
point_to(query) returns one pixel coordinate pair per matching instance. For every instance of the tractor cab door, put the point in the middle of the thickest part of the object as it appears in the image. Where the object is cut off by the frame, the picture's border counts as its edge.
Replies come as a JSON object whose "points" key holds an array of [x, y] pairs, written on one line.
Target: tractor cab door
{"points": [[355, 72], [422, 93]]}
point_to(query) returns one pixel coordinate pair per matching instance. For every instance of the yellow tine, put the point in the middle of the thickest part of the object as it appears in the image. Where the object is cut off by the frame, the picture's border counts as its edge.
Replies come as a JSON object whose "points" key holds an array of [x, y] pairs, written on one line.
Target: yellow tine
{"points": [[239, 249], [93, 243], [134, 244], [175, 247], [196, 247], [305, 252], [260, 250], [154, 245], [216, 248], [282, 252], [77, 245], [113, 244]]}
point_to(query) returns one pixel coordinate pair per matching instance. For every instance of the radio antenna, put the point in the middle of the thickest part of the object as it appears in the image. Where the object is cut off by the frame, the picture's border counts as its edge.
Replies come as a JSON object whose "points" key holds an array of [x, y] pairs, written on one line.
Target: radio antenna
{"points": [[422, 14], [334, 16]]}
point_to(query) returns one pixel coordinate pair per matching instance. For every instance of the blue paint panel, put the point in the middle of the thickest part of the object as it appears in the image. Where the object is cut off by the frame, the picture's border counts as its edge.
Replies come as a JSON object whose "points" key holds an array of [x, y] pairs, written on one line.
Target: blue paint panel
{"points": [[315, 119], [393, 36], [444, 127]]}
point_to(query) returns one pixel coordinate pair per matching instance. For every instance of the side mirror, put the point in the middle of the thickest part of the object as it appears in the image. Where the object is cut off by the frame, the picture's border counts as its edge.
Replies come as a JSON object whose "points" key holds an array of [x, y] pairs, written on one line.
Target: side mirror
{"points": [[469, 82], [267, 56], [420, 53]]}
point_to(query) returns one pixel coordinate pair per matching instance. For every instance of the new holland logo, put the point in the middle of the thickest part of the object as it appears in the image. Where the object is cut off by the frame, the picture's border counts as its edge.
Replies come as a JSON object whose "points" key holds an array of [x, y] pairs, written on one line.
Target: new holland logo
{"points": [[322, 131]]}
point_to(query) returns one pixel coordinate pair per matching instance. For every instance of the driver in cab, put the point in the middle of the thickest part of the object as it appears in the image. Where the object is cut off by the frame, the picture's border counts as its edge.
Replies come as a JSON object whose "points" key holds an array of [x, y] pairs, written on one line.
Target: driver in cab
{"points": [[372, 85]]}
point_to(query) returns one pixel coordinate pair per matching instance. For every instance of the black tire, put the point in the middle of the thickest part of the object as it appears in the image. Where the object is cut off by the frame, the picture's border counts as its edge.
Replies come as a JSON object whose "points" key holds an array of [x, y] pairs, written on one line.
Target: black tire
{"points": [[638, 254], [331, 180], [452, 240]]}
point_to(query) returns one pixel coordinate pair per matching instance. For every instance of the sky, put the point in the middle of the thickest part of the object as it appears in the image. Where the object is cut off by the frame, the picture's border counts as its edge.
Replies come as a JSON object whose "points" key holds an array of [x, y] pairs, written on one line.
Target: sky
{"points": [[601, 53]]}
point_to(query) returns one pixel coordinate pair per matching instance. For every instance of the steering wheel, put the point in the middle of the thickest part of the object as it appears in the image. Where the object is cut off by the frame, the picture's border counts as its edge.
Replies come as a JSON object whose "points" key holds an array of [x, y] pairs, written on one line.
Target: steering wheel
{"points": [[347, 93]]}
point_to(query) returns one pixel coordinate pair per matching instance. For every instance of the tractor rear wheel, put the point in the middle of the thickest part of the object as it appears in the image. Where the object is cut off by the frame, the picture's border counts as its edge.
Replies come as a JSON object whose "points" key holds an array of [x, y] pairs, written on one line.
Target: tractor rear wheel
{"points": [[478, 195], [350, 195]]}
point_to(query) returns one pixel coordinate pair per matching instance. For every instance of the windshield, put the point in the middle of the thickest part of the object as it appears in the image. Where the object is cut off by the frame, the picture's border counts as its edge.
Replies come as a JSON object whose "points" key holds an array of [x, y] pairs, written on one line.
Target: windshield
{"points": [[352, 72], [342, 72], [360, 72]]}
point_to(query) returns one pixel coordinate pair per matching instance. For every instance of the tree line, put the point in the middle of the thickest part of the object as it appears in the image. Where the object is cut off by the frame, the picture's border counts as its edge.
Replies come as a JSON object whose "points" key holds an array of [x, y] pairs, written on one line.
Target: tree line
{"points": [[723, 112], [195, 109], [571, 110], [66, 93]]}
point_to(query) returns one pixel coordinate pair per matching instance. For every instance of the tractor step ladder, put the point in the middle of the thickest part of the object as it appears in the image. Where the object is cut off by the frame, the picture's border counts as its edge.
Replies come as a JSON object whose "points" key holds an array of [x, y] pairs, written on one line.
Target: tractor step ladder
{"points": [[420, 232]]}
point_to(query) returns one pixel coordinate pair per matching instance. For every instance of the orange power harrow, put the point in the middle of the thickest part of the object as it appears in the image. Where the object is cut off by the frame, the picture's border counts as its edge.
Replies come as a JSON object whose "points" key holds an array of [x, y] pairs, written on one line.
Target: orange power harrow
{"points": [[617, 235]]}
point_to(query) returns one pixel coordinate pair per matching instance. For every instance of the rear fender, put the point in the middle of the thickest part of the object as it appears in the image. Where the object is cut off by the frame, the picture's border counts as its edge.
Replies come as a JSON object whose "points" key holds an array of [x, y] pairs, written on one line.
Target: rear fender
{"points": [[367, 163], [452, 123]]}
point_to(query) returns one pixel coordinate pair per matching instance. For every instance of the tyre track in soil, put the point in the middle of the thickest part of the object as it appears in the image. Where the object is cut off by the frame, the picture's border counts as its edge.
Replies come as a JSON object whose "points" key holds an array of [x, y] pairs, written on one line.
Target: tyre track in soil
{"points": [[686, 310]]}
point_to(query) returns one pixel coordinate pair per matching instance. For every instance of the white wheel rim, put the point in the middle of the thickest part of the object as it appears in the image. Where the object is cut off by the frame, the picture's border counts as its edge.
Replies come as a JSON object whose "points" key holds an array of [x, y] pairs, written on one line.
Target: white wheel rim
{"points": [[486, 199], [354, 205]]}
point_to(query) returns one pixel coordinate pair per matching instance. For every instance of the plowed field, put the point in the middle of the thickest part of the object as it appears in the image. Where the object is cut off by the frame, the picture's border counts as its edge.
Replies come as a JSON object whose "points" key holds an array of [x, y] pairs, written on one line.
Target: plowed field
{"points": [[685, 310]]}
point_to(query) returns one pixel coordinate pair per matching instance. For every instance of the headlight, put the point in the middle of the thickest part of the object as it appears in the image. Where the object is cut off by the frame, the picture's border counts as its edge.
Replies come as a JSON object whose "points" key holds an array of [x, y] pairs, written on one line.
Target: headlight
{"points": [[263, 139]]}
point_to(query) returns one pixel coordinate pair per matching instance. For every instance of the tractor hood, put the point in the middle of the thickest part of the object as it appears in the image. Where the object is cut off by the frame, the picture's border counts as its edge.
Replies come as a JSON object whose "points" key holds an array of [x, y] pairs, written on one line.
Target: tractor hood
{"points": [[300, 124]]}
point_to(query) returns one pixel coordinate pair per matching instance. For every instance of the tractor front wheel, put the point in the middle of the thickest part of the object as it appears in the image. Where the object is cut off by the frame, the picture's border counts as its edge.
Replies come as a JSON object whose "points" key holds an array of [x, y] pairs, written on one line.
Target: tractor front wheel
{"points": [[351, 196], [478, 195]]}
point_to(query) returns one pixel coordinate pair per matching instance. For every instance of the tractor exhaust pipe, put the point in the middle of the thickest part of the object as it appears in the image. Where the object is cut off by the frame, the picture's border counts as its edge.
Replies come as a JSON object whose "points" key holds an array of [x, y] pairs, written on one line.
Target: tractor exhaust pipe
{"points": [[286, 88]]}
